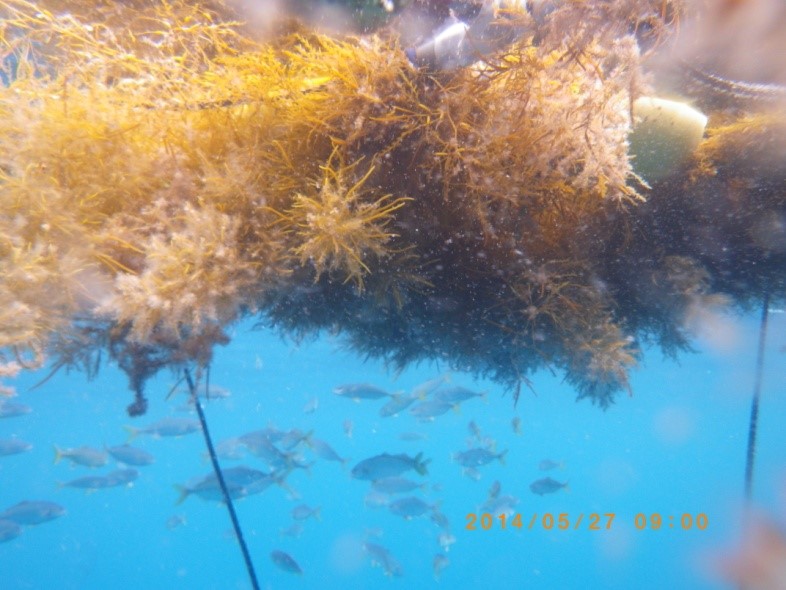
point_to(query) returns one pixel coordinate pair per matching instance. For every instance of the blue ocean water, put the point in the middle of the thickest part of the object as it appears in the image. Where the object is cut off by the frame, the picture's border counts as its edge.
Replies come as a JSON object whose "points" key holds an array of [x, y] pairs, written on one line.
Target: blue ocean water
{"points": [[676, 447]]}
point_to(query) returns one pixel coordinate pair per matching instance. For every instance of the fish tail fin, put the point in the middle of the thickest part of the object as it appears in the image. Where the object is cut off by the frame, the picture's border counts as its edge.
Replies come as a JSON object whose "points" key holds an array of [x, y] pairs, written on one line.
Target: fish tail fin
{"points": [[307, 438], [484, 395], [132, 433], [58, 454], [184, 493], [318, 513], [421, 466], [501, 456], [561, 465], [456, 408], [566, 487]]}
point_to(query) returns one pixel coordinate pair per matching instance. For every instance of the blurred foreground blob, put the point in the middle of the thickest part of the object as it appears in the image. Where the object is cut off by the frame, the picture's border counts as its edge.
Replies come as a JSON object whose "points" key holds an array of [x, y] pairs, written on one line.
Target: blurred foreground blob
{"points": [[760, 564]]}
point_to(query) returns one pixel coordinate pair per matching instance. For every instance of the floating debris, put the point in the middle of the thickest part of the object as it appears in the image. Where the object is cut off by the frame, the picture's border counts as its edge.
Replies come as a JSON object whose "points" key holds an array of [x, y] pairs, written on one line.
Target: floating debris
{"points": [[348, 427], [175, 521], [515, 424], [311, 406]]}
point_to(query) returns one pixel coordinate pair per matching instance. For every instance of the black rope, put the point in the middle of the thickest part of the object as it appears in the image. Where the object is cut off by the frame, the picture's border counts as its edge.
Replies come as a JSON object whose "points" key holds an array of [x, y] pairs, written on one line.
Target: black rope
{"points": [[217, 469], [754, 420]]}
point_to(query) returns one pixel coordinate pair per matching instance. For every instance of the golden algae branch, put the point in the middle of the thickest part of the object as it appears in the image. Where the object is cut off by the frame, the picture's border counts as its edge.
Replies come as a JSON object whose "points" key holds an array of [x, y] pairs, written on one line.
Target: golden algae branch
{"points": [[163, 174]]}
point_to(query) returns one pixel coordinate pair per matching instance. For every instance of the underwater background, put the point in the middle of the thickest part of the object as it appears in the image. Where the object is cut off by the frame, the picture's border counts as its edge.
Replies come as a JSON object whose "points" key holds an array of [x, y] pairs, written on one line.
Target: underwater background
{"points": [[189, 185], [676, 446]]}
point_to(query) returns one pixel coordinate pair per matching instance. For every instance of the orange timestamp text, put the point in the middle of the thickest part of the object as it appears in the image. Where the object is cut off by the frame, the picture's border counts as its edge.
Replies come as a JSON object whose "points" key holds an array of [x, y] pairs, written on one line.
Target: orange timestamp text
{"points": [[594, 521]]}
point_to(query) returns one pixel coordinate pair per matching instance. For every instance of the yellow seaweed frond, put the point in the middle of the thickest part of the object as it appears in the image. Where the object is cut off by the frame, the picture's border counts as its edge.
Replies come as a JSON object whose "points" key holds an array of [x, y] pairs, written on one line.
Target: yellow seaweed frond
{"points": [[193, 279], [342, 226]]}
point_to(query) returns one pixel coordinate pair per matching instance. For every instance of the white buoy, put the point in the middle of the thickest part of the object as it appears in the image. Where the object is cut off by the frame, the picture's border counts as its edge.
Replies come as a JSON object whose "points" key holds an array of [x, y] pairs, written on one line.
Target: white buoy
{"points": [[665, 134]]}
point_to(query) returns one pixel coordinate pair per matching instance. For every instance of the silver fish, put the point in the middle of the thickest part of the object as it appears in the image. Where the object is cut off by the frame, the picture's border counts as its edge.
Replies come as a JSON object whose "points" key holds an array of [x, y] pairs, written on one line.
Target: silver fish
{"points": [[395, 485], [428, 387], [131, 455], [166, 427], [546, 486], [240, 481], [397, 404], [324, 451], [386, 465], [90, 483], [478, 457], [376, 499], [548, 465], [440, 562], [359, 391], [87, 456], [230, 449], [410, 507], [302, 512], [430, 409], [456, 394], [32, 512], [294, 530], [9, 530], [13, 446], [505, 504], [9, 409], [382, 557], [412, 436]]}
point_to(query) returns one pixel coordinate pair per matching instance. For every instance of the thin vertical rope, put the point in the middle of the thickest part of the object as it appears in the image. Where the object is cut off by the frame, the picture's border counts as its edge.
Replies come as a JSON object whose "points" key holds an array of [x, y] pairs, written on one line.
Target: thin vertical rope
{"points": [[754, 419], [217, 470]]}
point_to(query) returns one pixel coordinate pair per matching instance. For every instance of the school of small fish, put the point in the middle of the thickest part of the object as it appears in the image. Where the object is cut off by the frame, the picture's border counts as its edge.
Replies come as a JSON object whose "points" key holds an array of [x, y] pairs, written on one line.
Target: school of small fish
{"points": [[397, 482]]}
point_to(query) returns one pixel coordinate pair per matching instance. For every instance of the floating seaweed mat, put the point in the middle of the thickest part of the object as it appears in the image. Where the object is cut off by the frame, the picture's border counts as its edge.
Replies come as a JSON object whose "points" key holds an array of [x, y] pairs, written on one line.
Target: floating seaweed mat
{"points": [[164, 173]]}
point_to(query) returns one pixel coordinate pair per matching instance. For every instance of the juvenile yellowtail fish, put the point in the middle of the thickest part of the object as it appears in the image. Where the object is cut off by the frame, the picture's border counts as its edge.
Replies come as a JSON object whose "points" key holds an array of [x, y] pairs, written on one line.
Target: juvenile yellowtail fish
{"points": [[386, 465], [359, 391], [87, 456], [546, 486]]}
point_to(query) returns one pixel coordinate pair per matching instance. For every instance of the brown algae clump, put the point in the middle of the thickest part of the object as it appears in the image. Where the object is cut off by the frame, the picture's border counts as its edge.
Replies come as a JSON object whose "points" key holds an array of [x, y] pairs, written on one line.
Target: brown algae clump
{"points": [[164, 173]]}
